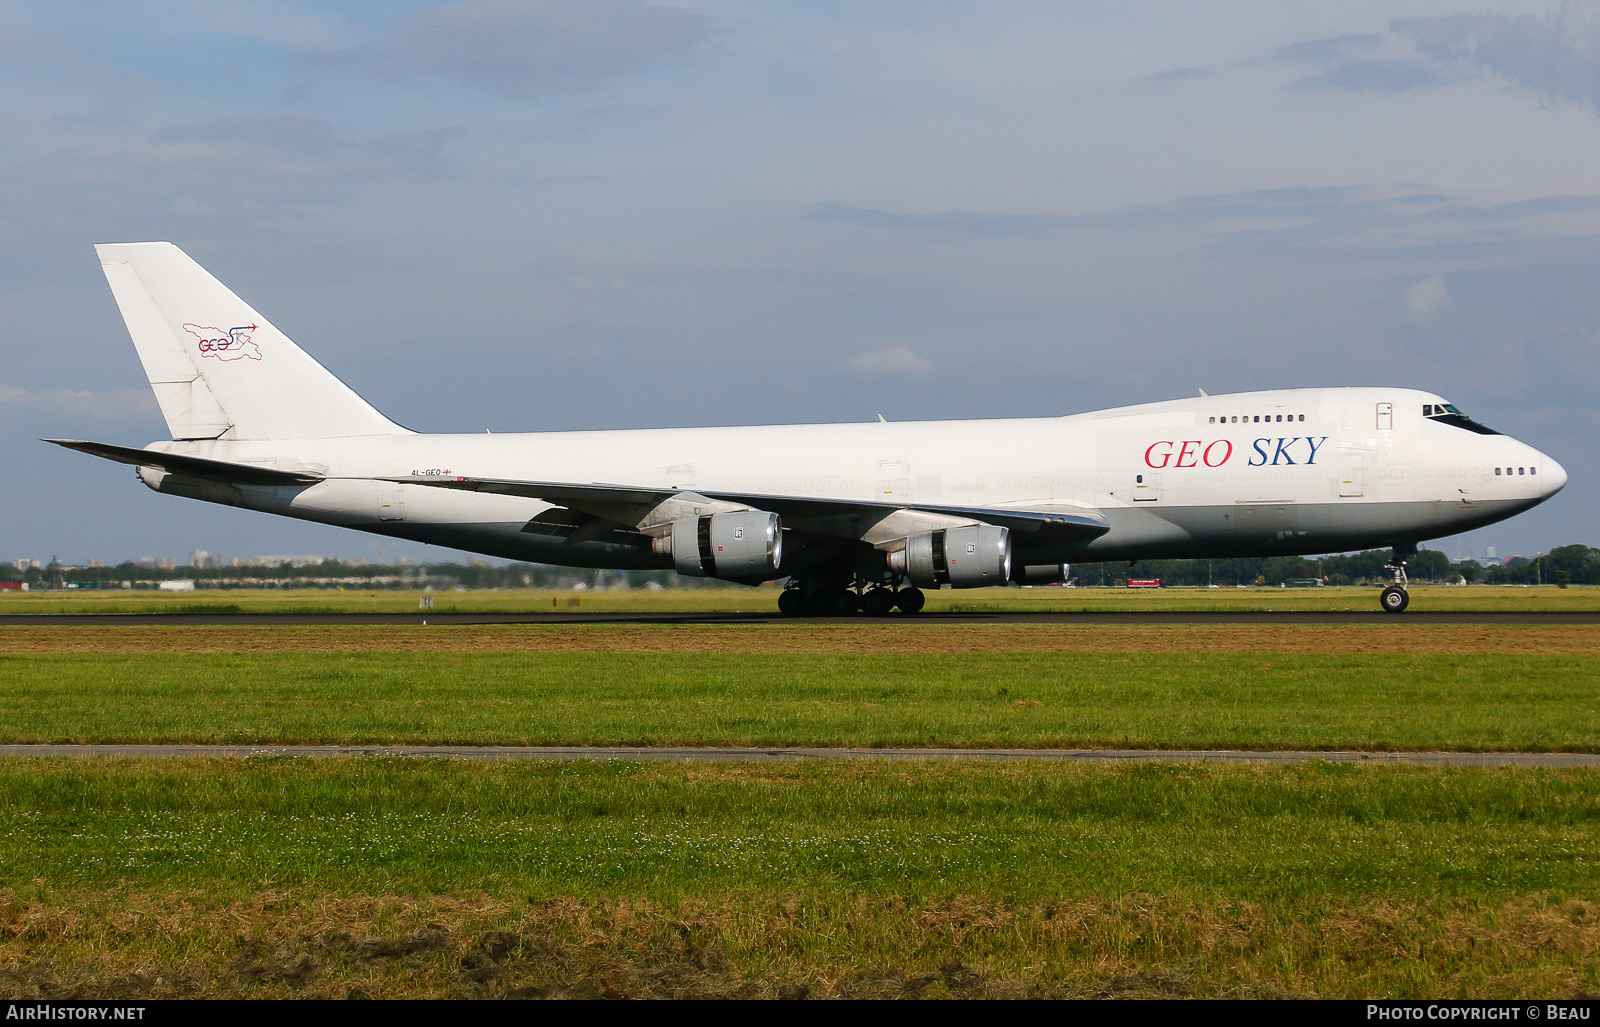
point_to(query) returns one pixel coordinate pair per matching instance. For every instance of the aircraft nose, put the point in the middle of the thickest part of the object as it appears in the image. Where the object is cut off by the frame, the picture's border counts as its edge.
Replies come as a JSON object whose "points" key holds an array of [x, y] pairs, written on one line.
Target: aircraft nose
{"points": [[1554, 475]]}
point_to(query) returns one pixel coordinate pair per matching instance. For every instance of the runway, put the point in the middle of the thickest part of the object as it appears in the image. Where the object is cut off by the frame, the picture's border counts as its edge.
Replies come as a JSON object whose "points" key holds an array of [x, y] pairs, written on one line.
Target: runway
{"points": [[1143, 617], [733, 755]]}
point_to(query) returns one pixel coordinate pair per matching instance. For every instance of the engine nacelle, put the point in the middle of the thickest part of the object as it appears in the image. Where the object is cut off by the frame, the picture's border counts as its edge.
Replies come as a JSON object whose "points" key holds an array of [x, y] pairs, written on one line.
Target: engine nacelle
{"points": [[1041, 573], [742, 544], [966, 557]]}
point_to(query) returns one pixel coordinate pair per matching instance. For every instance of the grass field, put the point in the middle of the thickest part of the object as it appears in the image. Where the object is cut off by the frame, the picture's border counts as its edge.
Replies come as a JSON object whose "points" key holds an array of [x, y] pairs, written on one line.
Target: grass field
{"points": [[765, 600], [388, 877], [396, 878], [1032, 686]]}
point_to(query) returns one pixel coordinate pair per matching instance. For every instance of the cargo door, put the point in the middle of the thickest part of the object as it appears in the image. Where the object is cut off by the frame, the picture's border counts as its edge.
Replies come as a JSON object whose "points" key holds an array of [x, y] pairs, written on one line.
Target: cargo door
{"points": [[391, 502], [1352, 473], [894, 481]]}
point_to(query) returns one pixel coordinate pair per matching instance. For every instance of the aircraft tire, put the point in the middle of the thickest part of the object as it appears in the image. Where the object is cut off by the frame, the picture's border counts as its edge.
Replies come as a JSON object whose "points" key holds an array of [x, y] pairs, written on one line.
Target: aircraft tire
{"points": [[910, 600], [878, 602], [1394, 599], [791, 603], [843, 603]]}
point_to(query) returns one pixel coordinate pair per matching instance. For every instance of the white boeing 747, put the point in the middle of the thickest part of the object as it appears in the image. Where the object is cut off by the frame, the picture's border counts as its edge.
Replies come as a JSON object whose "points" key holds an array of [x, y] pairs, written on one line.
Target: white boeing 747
{"points": [[857, 517]]}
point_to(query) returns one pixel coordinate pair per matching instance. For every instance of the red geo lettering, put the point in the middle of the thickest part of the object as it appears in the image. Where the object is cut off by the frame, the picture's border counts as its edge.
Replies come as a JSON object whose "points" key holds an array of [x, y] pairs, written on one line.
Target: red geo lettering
{"points": [[1226, 453]]}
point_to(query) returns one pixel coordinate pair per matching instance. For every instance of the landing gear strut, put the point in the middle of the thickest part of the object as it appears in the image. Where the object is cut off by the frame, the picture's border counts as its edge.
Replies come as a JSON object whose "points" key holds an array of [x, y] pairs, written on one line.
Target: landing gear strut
{"points": [[1395, 598], [843, 598]]}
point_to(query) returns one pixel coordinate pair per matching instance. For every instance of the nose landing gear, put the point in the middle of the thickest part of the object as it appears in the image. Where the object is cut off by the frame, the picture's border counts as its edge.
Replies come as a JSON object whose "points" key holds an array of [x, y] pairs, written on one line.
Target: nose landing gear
{"points": [[1394, 598]]}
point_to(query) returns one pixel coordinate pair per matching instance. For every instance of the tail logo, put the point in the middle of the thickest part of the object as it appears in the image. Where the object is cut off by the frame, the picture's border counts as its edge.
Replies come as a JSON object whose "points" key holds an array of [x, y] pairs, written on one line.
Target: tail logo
{"points": [[225, 343]]}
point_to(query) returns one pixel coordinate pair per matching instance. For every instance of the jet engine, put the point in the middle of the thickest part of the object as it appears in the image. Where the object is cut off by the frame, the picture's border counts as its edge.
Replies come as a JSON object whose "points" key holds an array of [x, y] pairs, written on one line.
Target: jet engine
{"points": [[1041, 573], [741, 544], [966, 557]]}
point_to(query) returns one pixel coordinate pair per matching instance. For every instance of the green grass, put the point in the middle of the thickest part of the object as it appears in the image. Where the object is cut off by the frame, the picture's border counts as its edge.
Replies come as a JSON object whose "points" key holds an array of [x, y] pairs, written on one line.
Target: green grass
{"points": [[764, 600], [1156, 700], [392, 878], [671, 832]]}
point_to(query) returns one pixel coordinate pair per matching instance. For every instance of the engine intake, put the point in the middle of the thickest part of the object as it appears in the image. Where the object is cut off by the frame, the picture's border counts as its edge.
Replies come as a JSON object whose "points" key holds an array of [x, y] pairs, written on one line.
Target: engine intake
{"points": [[966, 557], [742, 544]]}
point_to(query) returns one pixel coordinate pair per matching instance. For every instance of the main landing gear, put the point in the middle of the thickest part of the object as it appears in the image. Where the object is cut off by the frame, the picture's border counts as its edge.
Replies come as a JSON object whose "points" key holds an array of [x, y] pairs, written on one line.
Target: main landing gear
{"points": [[1394, 598], [846, 598]]}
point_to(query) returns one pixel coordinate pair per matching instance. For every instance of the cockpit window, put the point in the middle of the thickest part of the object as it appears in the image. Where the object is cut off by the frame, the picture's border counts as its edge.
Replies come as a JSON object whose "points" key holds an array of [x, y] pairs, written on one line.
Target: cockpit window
{"points": [[1446, 413]]}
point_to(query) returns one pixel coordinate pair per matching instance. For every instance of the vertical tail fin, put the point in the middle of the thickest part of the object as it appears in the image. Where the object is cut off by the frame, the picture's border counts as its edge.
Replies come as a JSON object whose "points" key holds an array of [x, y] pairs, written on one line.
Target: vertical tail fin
{"points": [[218, 368]]}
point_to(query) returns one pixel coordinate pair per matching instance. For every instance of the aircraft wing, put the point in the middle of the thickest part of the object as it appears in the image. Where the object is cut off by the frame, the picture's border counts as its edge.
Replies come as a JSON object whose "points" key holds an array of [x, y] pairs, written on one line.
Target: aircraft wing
{"points": [[199, 467], [1061, 523]]}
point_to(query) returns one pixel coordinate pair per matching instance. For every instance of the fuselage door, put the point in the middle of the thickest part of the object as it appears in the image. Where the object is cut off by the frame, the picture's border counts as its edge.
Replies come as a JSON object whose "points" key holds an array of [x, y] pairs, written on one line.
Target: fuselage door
{"points": [[894, 481], [1385, 416], [1146, 487], [1353, 472], [391, 502]]}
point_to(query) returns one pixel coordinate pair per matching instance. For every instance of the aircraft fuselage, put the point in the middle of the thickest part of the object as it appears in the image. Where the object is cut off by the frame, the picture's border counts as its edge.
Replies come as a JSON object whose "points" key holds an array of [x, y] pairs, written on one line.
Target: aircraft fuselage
{"points": [[1252, 474]]}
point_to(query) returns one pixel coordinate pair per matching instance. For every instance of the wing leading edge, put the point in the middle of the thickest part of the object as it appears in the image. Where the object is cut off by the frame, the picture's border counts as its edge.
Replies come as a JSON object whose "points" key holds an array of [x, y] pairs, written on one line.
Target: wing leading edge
{"points": [[633, 505]]}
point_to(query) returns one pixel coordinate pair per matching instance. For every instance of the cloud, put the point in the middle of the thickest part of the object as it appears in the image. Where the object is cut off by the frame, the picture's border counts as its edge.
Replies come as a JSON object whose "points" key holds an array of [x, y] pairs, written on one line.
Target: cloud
{"points": [[300, 148], [1351, 66], [1557, 55], [1326, 219], [894, 362], [1380, 76], [1348, 62], [250, 166], [1329, 52], [1427, 297], [110, 404], [956, 222], [520, 48]]}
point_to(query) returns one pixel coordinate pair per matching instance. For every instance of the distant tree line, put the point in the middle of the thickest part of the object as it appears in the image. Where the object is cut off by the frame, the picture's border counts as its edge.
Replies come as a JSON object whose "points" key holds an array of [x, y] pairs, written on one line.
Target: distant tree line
{"points": [[335, 573], [1567, 565]]}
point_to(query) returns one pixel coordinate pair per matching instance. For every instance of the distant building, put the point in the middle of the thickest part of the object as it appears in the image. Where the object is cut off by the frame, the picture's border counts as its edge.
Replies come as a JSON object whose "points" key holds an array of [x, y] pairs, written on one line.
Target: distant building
{"points": [[94, 563], [276, 561], [23, 565]]}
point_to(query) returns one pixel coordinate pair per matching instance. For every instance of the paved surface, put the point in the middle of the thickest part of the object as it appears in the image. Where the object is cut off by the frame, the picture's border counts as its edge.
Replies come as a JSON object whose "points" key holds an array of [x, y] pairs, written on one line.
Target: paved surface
{"points": [[468, 752], [1227, 617]]}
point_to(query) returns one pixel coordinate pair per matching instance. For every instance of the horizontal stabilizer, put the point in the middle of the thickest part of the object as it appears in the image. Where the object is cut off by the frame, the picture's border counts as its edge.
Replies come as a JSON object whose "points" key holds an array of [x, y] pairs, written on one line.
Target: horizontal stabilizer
{"points": [[199, 467], [1080, 523]]}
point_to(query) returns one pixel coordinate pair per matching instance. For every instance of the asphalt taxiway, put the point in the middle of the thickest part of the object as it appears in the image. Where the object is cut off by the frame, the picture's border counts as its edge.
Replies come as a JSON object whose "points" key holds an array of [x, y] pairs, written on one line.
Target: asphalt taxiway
{"points": [[1142, 617]]}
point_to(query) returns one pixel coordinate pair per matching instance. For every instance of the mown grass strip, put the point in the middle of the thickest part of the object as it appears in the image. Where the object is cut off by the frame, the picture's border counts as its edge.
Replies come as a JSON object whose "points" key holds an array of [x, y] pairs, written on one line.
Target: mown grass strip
{"points": [[388, 878], [999, 700], [707, 830], [758, 600], [810, 638]]}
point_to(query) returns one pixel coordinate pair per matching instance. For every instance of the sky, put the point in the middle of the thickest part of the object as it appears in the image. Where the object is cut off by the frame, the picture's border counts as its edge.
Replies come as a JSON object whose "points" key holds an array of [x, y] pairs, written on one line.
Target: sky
{"points": [[545, 214]]}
